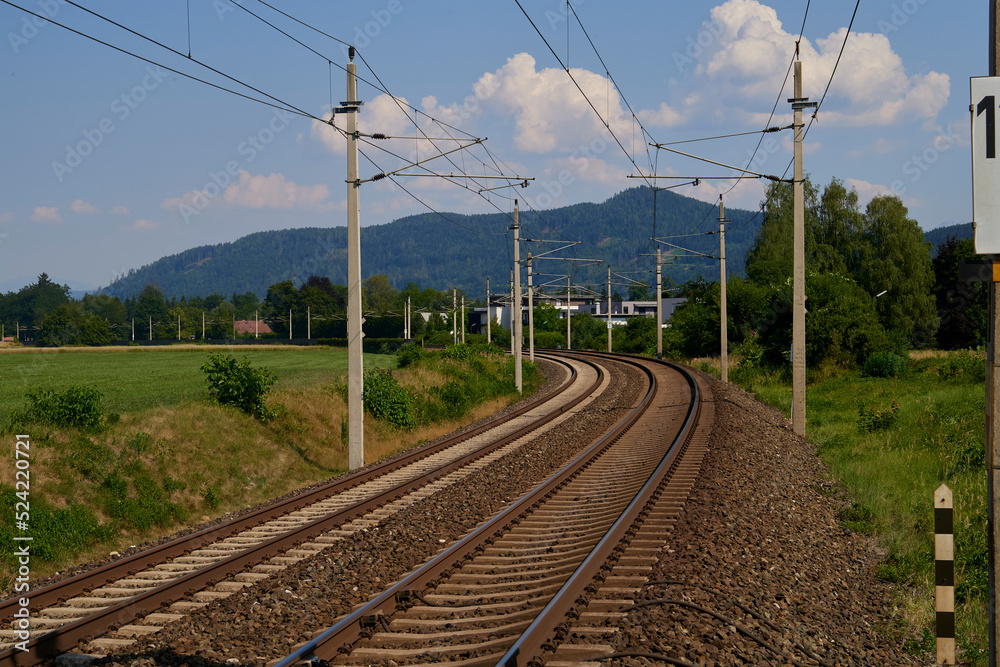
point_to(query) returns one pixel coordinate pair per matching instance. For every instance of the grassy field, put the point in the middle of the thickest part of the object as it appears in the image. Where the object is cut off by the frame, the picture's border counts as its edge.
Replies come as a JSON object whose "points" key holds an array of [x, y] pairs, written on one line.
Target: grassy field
{"points": [[139, 378], [174, 458], [891, 442]]}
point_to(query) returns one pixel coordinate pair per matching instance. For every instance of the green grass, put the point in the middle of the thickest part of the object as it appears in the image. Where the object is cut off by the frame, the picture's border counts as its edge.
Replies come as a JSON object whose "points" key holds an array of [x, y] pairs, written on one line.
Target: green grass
{"points": [[891, 469], [135, 379]]}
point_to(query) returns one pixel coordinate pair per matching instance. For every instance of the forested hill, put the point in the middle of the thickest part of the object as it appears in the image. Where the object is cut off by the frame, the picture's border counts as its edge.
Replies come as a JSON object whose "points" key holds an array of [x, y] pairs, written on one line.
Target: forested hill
{"points": [[462, 250], [939, 235]]}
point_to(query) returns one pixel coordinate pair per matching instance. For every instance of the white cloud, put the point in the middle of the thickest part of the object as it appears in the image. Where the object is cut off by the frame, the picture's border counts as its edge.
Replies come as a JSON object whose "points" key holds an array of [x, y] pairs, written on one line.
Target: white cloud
{"points": [[144, 225], [746, 194], [6, 217], [551, 114], [120, 210], [273, 191], [871, 86], [249, 191], [46, 214], [83, 208], [867, 191]]}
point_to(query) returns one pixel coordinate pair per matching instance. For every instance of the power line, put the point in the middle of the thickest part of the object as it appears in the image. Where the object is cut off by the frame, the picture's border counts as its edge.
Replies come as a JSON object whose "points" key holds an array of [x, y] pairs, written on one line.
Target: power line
{"points": [[607, 124], [286, 106]]}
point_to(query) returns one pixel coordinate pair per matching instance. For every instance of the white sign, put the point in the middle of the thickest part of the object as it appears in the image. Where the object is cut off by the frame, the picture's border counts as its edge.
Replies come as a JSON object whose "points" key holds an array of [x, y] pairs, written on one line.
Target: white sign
{"points": [[985, 163]]}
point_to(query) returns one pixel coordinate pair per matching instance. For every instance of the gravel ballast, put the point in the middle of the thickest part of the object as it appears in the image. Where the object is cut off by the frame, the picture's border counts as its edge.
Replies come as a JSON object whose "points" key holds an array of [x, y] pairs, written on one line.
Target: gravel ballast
{"points": [[760, 529]]}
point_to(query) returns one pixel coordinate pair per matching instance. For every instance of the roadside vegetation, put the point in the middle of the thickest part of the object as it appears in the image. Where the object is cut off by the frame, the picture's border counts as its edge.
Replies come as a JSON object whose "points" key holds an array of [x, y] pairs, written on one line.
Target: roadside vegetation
{"points": [[106, 475]]}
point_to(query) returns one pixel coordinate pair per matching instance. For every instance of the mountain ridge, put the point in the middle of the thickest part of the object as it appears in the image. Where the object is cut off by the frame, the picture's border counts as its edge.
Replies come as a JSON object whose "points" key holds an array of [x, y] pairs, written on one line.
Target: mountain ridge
{"points": [[458, 250]]}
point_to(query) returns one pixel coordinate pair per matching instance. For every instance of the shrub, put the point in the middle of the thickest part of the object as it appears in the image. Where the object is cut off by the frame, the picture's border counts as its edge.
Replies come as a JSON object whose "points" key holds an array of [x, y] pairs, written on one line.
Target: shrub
{"points": [[884, 365], [871, 420], [237, 383], [76, 407], [408, 354], [385, 399], [965, 366]]}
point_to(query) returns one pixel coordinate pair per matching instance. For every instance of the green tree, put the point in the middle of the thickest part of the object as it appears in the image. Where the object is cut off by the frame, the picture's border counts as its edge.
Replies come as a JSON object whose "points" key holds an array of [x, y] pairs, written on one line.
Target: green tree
{"points": [[71, 324], [898, 259], [962, 307], [770, 259], [150, 306], [546, 318], [378, 294], [281, 297]]}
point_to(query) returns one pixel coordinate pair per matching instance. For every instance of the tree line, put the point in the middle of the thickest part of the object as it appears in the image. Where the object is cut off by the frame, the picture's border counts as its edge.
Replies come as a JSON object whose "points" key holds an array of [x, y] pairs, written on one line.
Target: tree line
{"points": [[44, 312]]}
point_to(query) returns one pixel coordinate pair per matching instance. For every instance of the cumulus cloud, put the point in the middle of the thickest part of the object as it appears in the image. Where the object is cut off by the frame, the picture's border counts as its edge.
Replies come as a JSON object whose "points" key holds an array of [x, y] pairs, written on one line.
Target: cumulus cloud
{"points": [[120, 210], [46, 214], [867, 191], [144, 225], [871, 87], [273, 191], [83, 208], [249, 191], [550, 113]]}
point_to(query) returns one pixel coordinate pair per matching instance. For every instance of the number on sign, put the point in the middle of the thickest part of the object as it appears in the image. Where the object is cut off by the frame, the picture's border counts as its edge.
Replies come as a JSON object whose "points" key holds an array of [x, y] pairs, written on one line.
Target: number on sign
{"points": [[989, 105]]}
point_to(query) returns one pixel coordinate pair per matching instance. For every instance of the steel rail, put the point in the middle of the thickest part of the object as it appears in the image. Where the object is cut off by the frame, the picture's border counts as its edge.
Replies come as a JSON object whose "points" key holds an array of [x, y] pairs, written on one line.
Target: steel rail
{"points": [[528, 648], [338, 638], [67, 636]]}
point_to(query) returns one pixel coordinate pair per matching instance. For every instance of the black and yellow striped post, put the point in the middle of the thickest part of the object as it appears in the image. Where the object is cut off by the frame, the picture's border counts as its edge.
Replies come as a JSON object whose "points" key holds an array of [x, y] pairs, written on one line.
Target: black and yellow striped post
{"points": [[944, 575]]}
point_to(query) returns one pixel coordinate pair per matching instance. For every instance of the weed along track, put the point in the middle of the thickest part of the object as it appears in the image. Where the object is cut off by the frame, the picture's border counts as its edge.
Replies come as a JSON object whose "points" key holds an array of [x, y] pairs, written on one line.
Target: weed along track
{"points": [[118, 605]]}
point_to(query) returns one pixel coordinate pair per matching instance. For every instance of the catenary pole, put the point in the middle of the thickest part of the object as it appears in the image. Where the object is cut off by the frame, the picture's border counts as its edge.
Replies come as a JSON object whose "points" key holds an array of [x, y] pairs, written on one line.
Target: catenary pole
{"points": [[355, 362], [517, 334], [454, 316], [569, 317], [659, 305], [463, 319], [609, 309], [531, 315], [489, 314], [723, 313], [799, 269]]}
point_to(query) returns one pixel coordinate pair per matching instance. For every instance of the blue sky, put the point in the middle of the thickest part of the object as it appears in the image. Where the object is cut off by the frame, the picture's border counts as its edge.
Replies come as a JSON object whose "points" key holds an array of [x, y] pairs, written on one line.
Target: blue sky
{"points": [[110, 163]]}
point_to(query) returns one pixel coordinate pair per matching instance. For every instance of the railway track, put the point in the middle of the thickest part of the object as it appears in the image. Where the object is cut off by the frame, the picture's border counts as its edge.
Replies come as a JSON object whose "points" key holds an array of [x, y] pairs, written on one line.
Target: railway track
{"points": [[163, 584], [543, 581]]}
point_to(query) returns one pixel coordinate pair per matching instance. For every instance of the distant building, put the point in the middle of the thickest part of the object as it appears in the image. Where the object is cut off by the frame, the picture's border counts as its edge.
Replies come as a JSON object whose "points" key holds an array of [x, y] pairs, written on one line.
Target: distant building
{"points": [[251, 327]]}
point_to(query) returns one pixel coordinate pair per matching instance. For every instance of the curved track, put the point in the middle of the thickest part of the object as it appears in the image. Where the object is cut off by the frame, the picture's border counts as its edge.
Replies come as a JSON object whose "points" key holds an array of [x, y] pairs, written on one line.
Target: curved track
{"points": [[188, 573], [517, 588]]}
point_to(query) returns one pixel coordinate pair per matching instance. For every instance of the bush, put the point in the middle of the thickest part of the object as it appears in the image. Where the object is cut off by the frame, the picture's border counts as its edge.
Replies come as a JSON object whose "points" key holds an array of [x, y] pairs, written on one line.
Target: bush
{"points": [[884, 365], [966, 366], [385, 399], [237, 383], [871, 419], [76, 407], [408, 354]]}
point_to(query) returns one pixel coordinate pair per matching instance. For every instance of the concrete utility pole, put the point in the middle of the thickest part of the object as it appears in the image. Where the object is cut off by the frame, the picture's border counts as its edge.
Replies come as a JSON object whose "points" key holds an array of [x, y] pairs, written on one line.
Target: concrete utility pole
{"points": [[309, 323], [256, 325], [202, 328], [569, 317], [178, 327], [724, 314], [993, 400], [150, 327], [489, 314], [799, 265], [454, 316], [609, 309], [355, 361], [531, 315], [289, 325], [659, 305], [517, 334], [463, 319]]}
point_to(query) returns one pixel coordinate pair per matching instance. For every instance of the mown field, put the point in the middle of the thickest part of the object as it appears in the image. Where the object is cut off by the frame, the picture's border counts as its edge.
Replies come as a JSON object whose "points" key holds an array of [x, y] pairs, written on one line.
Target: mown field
{"points": [[139, 378], [165, 456]]}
